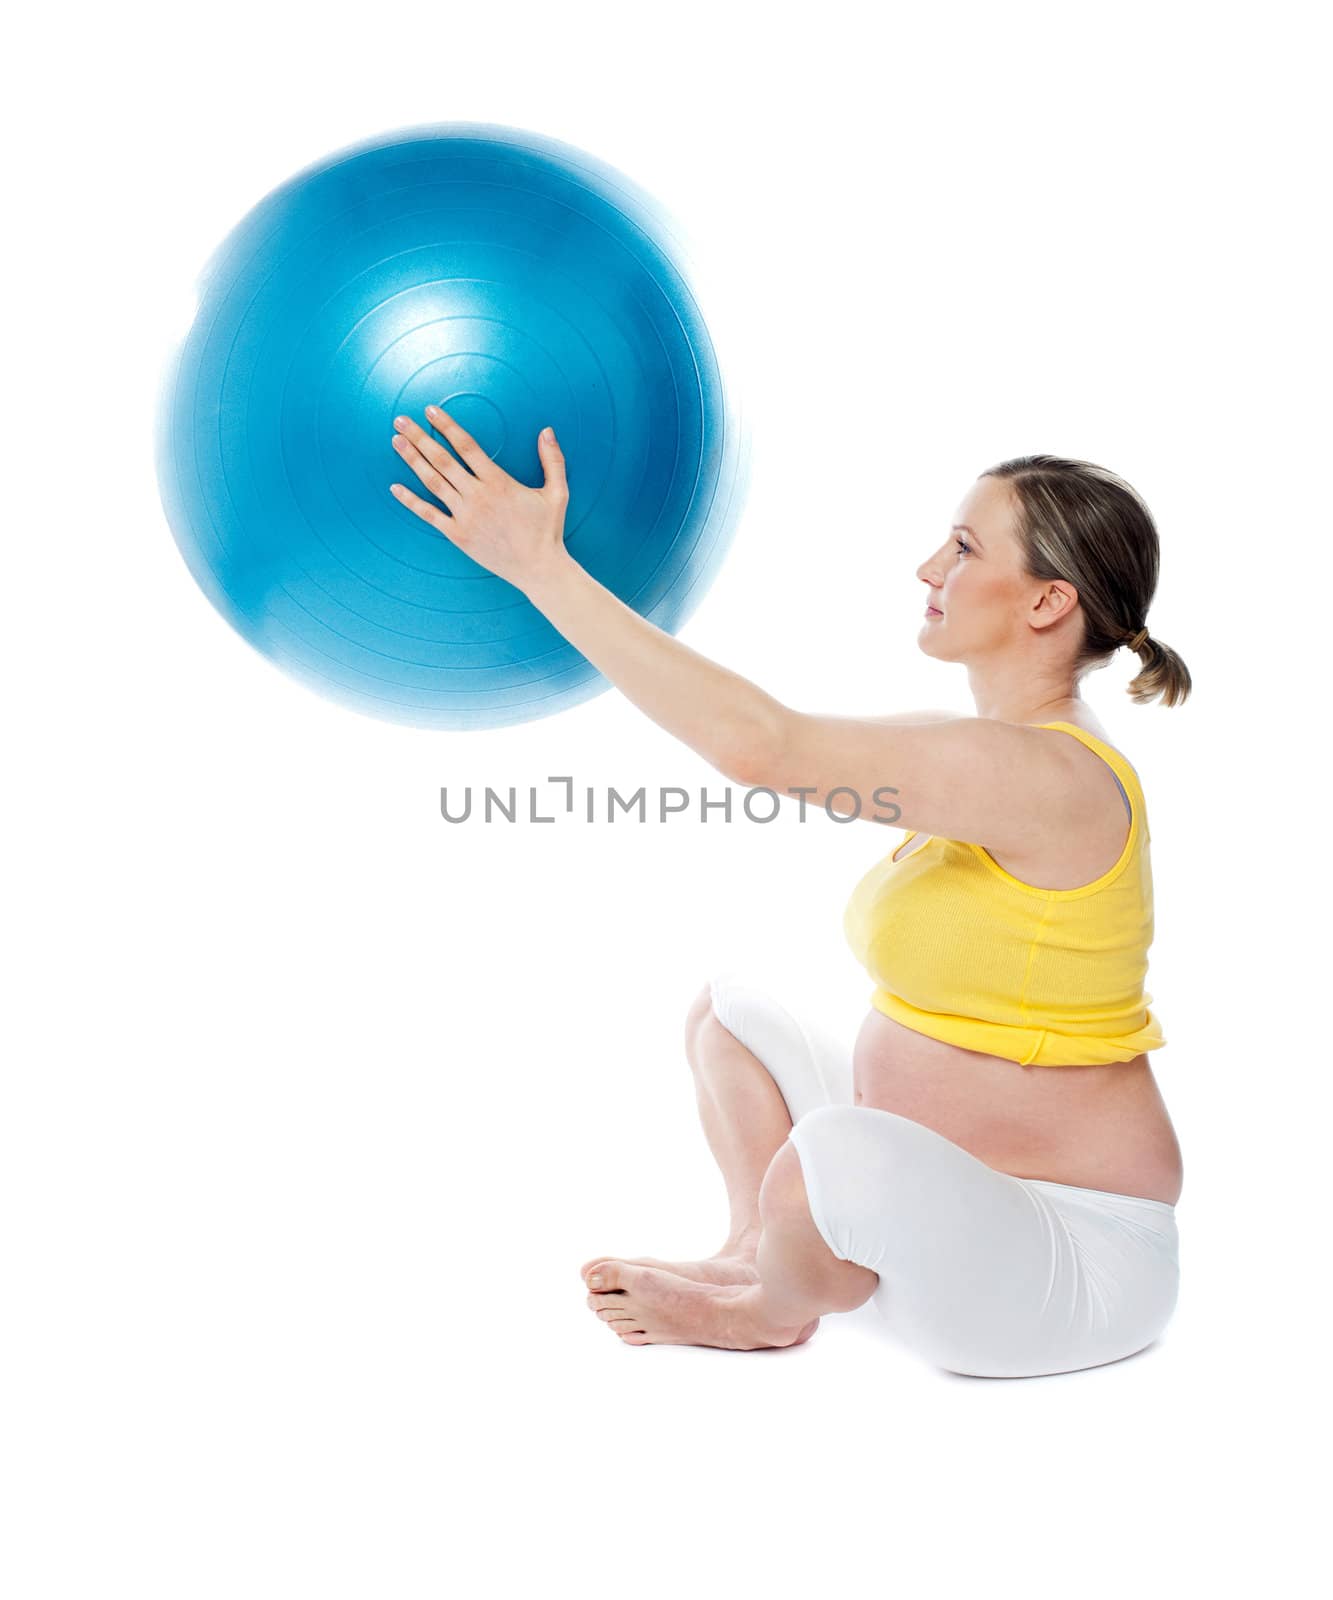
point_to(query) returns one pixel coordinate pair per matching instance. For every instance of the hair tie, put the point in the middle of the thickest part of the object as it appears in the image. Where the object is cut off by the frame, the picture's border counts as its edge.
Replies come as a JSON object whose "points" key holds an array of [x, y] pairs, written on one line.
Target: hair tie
{"points": [[1135, 640]]}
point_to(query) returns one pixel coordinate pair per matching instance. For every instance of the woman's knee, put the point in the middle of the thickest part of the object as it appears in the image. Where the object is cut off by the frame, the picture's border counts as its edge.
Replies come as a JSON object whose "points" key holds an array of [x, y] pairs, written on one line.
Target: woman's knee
{"points": [[787, 1203], [725, 1005], [859, 1178], [785, 1198], [782, 1193], [698, 1016]]}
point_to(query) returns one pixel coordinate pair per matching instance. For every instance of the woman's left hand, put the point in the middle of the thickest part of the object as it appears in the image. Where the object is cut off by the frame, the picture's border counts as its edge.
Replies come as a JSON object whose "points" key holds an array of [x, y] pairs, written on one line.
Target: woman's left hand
{"points": [[513, 531]]}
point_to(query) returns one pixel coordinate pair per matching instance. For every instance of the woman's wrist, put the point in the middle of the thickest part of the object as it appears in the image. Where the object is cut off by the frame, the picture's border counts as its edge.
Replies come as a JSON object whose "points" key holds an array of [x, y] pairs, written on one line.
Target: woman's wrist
{"points": [[554, 571]]}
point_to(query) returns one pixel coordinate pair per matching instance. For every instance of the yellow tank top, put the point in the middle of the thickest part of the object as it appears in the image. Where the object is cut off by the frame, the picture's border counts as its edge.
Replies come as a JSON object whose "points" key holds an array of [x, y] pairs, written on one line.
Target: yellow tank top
{"points": [[965, 952]]}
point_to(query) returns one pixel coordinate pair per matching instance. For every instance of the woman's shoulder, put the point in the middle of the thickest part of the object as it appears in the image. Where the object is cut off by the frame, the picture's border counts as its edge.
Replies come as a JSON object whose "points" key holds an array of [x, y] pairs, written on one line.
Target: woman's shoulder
{"points": [[1093, 729], [1111, 761]]}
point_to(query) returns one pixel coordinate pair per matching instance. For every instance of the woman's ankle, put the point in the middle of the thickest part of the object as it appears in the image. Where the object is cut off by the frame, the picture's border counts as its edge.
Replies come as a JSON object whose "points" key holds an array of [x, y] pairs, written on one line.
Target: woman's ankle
{"points": [[742, 1244]]}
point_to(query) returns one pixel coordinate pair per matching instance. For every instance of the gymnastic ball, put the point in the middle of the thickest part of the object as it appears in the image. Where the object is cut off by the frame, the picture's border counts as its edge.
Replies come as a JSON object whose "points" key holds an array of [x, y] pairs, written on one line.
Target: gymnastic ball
{"points": [[513, 280]]}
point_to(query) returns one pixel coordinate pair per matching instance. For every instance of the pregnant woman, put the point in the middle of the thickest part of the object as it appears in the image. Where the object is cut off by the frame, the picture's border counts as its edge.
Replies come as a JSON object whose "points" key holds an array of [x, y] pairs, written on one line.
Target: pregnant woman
{"points": [[992, 1161]]}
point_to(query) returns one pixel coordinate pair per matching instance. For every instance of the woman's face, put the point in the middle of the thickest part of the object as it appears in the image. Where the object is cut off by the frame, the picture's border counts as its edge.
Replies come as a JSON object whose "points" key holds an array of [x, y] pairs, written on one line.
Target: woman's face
{"points": [[978, 596]]}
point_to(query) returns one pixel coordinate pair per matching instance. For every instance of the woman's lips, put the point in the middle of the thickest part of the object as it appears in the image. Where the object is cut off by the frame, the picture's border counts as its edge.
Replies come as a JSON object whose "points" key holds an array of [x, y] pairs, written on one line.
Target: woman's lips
{"points": [[931, 612]]}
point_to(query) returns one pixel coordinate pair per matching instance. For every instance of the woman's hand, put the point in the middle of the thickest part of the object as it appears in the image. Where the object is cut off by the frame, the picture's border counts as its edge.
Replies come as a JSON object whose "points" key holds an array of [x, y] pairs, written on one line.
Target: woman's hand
{"points": [[513, 531], [519, 534]]}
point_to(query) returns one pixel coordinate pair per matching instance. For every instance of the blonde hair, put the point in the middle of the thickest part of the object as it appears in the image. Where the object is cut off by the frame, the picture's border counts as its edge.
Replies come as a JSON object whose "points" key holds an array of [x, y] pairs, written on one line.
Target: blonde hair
{"points": [[1084, 525]]}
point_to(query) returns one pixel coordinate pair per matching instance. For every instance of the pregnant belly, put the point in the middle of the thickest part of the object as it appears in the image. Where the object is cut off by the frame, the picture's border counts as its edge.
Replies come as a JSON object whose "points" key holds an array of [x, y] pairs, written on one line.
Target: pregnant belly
{"points": [[1099, 1127]]}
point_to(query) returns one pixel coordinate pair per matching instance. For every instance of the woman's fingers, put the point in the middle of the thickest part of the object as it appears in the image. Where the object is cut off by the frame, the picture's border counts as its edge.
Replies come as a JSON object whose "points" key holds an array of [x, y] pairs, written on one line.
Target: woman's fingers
{"points": [[462, 441], [452, 471], [440, 485], [427, 512]]}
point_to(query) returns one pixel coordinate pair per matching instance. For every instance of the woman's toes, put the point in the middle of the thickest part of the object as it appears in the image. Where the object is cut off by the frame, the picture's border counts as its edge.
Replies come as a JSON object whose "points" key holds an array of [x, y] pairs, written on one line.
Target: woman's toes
{"points": [[610, 1275], [617, 1318], [607, 1300]]}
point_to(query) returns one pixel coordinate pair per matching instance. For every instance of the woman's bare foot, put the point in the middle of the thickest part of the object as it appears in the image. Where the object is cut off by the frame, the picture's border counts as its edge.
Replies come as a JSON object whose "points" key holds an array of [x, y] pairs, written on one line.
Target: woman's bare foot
{"points": [[644, 1305], [725, 1267]]}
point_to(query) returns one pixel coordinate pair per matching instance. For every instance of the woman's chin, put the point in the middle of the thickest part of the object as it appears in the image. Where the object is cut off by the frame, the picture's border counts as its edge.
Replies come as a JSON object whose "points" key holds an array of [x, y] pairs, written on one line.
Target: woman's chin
{"points": [[931, 643]]}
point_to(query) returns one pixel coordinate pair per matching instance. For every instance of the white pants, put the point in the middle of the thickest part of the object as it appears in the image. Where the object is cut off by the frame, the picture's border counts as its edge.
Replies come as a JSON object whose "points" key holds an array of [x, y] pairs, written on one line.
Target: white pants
{"points": [[979, 1272]]}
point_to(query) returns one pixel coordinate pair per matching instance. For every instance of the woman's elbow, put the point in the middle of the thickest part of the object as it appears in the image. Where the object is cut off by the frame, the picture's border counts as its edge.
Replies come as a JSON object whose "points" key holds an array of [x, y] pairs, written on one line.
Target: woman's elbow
{"points": [[756, 758]]}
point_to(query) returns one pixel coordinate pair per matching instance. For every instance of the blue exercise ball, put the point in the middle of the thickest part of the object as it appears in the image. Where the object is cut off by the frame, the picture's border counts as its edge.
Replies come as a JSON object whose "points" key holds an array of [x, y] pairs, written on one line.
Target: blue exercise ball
{"points": [[513, 280]]}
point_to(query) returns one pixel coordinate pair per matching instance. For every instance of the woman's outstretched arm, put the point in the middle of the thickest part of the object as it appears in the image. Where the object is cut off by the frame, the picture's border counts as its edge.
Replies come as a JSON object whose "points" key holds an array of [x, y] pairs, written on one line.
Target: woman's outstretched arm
{"points": [[962, 777]]}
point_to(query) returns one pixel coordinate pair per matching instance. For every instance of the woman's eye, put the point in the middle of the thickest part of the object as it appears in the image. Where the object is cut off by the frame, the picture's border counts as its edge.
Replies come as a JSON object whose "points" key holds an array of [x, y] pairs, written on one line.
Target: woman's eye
{"points": [[963, 545]]}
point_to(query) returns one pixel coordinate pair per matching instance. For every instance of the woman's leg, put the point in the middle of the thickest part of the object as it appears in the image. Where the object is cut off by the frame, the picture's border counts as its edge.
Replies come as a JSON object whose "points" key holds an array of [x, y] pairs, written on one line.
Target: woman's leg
{"points": [[756, 1070], [748, 1094], [745, 1120], [976, 1270], [981, 1272]]}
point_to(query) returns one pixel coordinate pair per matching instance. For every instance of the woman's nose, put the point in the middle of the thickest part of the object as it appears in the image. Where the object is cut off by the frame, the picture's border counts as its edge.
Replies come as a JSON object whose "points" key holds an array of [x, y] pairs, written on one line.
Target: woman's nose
{"points": [[931, 570]]}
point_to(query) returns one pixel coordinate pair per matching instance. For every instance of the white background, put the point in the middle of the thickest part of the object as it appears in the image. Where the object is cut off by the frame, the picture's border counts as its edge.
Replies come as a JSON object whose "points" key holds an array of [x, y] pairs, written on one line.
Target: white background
{"points": [[314, 1105]]}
